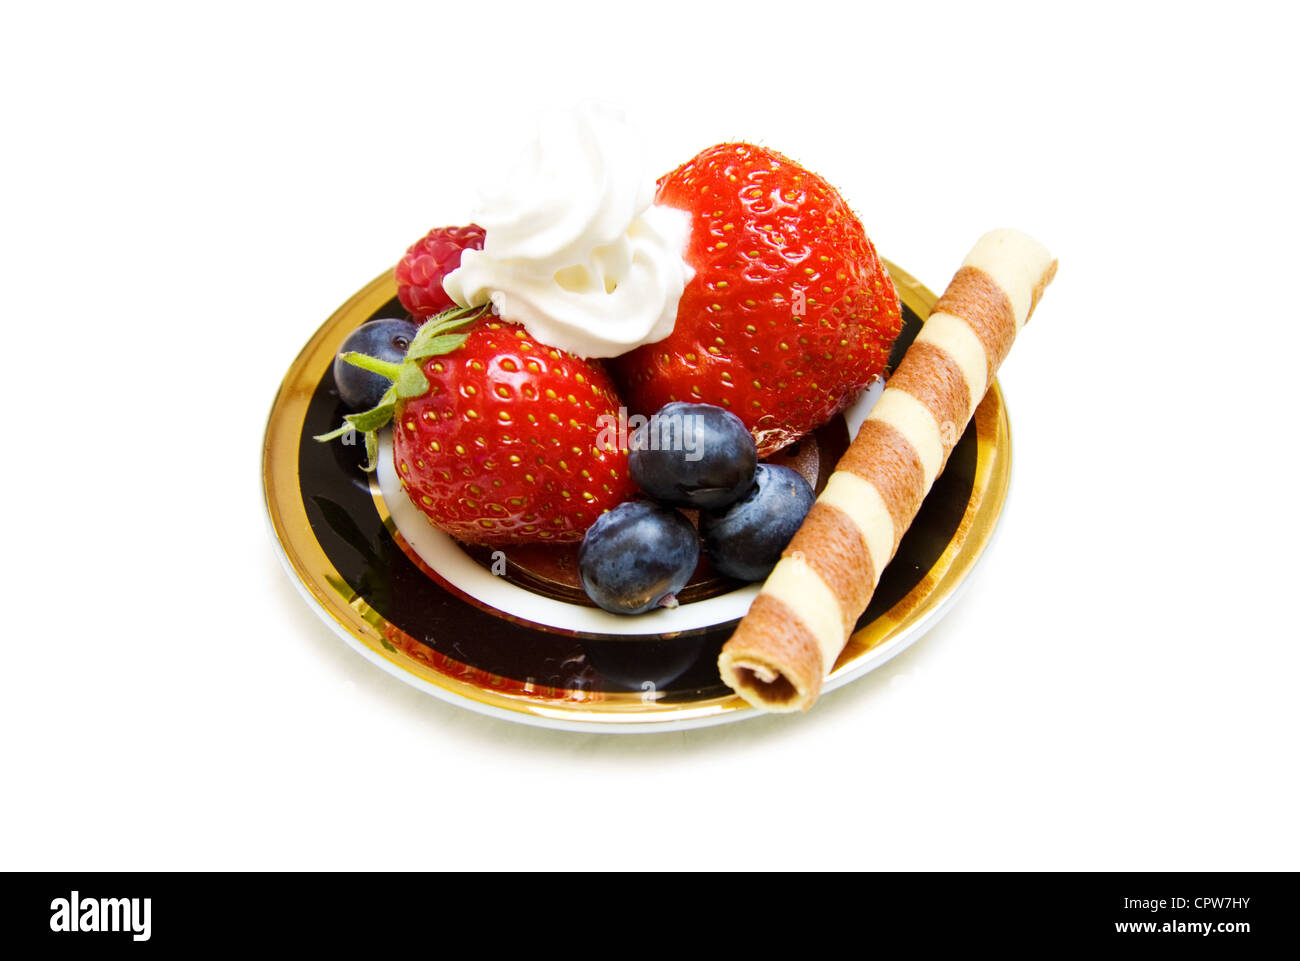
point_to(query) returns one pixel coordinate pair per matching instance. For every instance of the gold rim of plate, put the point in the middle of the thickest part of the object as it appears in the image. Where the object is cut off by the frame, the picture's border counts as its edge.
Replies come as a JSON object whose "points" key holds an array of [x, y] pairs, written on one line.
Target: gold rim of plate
{"points": [[363, 627]]}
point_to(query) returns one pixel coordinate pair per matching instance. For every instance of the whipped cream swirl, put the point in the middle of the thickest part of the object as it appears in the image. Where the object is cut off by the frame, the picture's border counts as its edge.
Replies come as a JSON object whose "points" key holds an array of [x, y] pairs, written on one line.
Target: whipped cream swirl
{"points": [[576, 250]]}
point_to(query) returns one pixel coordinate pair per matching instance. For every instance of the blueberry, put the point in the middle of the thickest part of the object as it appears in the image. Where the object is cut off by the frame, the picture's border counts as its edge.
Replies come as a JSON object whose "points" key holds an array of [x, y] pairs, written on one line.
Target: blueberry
{"points": [[637, 557], [693, 455], [386, 339], [745, 540]]}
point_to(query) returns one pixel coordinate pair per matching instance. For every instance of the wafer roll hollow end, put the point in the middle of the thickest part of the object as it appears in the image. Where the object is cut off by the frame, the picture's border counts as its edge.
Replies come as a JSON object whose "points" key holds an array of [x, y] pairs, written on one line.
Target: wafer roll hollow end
{"points": [[773, 660], [763, 684]]}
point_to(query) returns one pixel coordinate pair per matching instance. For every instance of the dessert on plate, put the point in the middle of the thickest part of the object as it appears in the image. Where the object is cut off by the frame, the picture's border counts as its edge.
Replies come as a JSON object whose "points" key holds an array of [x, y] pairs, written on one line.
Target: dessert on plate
{"points": [[615, 362]]}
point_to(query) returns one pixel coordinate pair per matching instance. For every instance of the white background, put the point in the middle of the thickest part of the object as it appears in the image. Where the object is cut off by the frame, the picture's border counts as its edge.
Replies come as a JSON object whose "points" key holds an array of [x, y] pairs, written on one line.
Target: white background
{"points": [[187, 195]]}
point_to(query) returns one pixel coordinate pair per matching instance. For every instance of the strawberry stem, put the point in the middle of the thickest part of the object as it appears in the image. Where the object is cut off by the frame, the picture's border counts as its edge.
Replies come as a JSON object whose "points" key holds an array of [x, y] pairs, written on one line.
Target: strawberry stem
{"points": [[434, 338], [384, 368]]}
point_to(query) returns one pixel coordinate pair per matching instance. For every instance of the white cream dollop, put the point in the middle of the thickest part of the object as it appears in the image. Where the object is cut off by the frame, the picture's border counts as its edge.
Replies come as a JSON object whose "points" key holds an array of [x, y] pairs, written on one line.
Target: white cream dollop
{"points": [[576, 250]]}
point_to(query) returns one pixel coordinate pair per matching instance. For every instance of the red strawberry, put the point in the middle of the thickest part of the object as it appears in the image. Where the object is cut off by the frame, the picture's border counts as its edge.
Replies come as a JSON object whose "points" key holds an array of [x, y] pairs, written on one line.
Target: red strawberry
{"points": [[419, 273], [497, 438], [790, 312]]}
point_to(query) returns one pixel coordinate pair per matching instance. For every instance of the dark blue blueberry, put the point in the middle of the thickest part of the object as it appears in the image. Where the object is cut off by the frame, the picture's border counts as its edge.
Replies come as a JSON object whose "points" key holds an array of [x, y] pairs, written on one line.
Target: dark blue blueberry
{"points": [[693, 455], [745, 540], [637, 557], [386, 339]]}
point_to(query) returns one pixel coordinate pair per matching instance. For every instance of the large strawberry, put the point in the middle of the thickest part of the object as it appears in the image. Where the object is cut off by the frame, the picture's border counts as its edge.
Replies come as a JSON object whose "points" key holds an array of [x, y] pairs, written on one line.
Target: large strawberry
{"points": [[497, 438], [790, 312]]}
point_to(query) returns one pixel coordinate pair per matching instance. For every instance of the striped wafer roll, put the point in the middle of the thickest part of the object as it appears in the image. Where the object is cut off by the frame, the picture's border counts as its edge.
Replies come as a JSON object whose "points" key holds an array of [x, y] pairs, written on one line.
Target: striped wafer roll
{"points": [[806, 610]]}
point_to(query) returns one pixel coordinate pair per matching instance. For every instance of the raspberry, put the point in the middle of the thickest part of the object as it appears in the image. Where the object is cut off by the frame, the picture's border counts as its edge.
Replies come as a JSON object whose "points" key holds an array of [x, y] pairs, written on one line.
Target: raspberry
{"points": [[433, 257]]}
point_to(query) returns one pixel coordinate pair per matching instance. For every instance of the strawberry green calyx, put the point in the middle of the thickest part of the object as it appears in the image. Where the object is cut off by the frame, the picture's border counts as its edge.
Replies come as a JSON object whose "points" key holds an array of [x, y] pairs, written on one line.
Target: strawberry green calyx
{"points": [[439, 335]]}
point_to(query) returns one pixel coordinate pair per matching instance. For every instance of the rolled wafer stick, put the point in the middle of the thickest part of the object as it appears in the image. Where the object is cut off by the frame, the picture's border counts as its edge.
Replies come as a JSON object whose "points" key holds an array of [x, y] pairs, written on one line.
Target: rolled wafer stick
{"points": [[807, 608]]}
